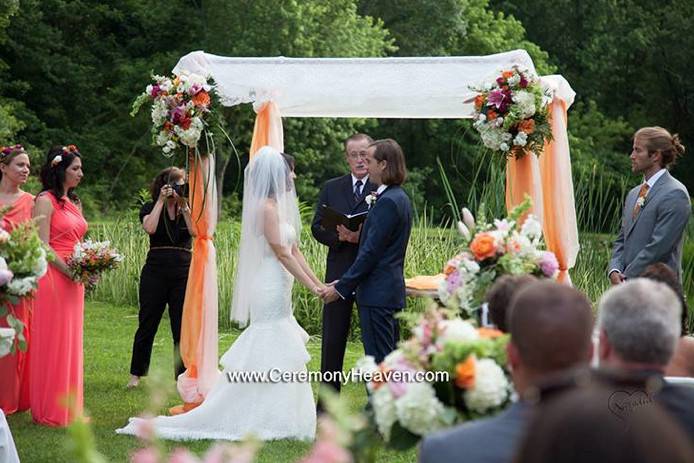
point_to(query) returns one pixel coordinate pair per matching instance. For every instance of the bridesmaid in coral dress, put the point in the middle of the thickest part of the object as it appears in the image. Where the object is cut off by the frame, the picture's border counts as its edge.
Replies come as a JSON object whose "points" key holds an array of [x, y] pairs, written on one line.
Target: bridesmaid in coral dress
{"points": [[56, 334], [14, 368]]}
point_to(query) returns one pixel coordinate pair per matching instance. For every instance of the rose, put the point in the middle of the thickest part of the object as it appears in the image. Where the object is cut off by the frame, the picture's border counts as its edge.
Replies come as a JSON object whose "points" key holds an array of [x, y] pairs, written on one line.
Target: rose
{"points": [[465, 373], [527, 126], [201, 99], [483, 246]]}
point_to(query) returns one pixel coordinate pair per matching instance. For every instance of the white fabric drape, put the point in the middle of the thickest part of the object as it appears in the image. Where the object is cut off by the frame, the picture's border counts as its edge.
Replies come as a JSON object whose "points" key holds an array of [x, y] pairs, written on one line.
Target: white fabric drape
{"points": [[429, 88]]}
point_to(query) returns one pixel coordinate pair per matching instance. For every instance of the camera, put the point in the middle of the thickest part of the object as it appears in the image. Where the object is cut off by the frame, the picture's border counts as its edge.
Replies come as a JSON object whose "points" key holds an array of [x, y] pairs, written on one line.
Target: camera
{"points": [[181, 190]]}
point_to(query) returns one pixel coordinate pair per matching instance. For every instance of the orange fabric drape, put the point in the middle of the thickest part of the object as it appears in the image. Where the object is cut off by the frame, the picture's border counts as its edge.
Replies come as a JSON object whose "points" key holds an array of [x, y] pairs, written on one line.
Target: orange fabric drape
{"points": [[267, 129], [199, 325], [549, 183]]}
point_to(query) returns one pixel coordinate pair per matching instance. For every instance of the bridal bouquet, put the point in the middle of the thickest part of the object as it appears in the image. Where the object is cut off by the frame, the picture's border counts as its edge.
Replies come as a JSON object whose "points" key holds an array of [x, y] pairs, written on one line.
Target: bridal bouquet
{"points": [[23, 261], [511, 114], [446, 373], [491, 250], [90, 259], [181, 108]]}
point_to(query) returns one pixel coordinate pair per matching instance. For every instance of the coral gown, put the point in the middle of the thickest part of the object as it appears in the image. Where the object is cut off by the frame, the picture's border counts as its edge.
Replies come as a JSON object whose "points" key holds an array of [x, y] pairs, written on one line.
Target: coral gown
{"points": [[56, 367], [14, 368]]}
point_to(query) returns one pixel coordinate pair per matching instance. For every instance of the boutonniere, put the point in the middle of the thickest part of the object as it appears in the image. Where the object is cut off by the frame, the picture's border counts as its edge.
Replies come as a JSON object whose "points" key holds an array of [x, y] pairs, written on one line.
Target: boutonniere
{"points": [[371, 198], [641, 201]]}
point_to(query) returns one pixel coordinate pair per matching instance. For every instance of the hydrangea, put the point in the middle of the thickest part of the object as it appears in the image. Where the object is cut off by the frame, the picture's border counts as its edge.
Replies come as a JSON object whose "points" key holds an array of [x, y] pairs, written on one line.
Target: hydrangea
{"points": [[490, 389], [384, 411], [419, 411], [456, 330], [521, 139], [21, 286], [526, 104], [531, 228]]}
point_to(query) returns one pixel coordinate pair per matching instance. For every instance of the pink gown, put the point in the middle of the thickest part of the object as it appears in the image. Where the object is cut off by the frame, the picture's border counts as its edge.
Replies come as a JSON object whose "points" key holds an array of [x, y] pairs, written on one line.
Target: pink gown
{"points": [[56, 334], [14, 368]]}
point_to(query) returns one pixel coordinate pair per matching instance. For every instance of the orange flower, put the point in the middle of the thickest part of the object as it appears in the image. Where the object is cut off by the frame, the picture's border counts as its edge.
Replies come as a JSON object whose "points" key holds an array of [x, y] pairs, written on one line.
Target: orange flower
{"points": [[483, 246], [489, 333], [382, 373], [465, 373], [491, 115], [202, 98], [507, 74], [527, 126], [448, 269], [479, 101]]}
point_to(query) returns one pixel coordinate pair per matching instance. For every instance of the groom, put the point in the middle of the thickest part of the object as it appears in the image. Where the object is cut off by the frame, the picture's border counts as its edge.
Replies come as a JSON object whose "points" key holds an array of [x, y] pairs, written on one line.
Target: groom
{"points": [[377, 274]]}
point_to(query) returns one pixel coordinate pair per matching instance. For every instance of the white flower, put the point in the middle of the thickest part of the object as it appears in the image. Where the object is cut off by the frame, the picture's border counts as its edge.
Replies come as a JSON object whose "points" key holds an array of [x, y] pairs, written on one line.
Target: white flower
{"points": [[471, 267], [6, 340], [366, 364], [490, 389], [504, 146], [499, 121], [41, 265], [4, 236], [21, 286], [463, 230], [503, 227], [384, 411], [525, 102], [468, 219], [531, 228], [370, 199], [3, 262], [456, 330], [56, 160], [521, 139], [419, 411], [159, 112], [482, 117], [641, 201], [514, 79], [162, 138]]}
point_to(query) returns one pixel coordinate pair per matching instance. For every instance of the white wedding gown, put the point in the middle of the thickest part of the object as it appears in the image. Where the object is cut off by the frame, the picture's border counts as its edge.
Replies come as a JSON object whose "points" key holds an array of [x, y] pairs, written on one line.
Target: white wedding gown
{"points": [[273, 340]]}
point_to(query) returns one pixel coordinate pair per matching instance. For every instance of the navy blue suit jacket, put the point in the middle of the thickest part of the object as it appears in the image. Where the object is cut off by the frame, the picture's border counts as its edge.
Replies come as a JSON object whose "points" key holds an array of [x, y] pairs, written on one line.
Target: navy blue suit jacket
{"points": [[377, 274]]}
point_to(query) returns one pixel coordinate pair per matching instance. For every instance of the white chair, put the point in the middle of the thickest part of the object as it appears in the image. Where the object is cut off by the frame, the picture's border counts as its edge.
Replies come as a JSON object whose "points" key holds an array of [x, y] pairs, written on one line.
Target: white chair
{"points": [[680, 380]]}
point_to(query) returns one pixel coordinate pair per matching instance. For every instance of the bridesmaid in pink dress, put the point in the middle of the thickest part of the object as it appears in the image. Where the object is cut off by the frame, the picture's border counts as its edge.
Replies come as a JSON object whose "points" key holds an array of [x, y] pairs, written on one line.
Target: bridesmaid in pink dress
{"points": [[14, 368], [56, 334]]}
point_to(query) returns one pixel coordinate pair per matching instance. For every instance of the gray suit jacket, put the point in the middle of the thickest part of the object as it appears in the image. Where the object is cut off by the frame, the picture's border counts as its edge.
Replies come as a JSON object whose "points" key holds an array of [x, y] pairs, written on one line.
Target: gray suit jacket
{"points": [[657, 233], [490, 440]]}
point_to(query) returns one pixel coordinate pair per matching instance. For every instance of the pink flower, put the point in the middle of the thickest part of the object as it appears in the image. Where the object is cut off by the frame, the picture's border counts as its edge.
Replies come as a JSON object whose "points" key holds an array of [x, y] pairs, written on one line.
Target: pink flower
{"points": [[155, 90], [548, 263], [496, 98], [523, 82], [181, 455], [145, 455], [327, 452], [399, 388], [5, 277]]}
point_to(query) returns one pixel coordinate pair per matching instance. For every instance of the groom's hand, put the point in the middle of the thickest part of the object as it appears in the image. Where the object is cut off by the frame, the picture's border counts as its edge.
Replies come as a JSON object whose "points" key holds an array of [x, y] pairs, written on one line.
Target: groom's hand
{"points": [[347, 235], [330, 294]]}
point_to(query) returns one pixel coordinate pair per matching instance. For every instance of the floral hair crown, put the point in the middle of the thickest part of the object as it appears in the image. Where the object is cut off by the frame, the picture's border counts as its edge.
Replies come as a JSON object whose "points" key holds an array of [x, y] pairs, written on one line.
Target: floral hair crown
{"points": [[66, 150], [7, 150]]}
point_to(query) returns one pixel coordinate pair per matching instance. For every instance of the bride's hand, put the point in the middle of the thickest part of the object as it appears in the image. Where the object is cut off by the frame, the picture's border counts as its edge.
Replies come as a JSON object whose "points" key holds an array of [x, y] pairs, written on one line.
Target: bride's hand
{"points": [[319, 290]]}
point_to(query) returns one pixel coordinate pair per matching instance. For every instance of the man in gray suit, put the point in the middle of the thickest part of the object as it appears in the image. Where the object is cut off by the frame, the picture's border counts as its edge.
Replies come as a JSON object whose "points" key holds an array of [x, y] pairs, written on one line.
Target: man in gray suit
{"points": [[655, 212], [550, 326]]}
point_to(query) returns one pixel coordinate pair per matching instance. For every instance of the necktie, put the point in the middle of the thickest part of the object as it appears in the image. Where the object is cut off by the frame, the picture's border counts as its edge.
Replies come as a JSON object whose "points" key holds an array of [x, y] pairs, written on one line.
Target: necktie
{"points": [[357, 191], [640, 200]]}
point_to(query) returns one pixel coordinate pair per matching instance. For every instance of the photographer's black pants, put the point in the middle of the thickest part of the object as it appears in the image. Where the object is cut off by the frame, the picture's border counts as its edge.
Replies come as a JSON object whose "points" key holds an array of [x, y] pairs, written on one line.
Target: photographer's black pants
{"points": [[162, 282]]}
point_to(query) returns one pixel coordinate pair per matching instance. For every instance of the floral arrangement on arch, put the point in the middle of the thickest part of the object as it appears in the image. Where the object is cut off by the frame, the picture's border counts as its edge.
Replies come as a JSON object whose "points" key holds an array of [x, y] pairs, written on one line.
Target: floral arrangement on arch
{"points": [[512, 115], [23, 261], [182, 109], [491, 250], [464, 378]]}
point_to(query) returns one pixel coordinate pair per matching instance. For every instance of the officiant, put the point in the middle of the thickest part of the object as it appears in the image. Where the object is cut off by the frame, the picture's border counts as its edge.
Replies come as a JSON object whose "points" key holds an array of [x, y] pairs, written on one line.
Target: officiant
{"points": [[345, 194]]}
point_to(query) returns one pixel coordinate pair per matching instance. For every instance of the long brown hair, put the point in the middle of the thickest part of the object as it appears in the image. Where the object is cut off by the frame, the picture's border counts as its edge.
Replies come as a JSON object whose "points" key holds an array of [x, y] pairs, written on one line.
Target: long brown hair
{"points": [[658, 139], [168, 175]]}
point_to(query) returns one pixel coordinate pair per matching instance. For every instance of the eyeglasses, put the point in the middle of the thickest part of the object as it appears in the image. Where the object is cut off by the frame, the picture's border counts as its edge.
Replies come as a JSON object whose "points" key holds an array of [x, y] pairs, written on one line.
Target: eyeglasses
{"points": [[356, 154]]}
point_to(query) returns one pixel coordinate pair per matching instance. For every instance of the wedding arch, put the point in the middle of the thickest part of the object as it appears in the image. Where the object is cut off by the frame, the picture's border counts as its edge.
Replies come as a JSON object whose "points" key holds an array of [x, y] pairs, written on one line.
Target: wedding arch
{"points": [[407, 88]]}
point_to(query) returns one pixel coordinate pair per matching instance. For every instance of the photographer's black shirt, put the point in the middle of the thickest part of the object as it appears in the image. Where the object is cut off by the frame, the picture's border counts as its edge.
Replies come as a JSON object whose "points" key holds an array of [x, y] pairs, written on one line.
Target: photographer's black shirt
{"points": [[171, 240]]}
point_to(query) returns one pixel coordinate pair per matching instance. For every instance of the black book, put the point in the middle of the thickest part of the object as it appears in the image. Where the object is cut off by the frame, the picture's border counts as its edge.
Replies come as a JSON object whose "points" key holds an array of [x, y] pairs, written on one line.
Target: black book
{"points": [[332, 218]]}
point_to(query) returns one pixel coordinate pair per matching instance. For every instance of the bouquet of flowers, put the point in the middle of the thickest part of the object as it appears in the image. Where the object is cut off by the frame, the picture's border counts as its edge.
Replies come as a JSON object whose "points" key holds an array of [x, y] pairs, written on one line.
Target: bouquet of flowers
{"points": [[491, 250], [447, 372], [23, 261], [181, 108], [90, 259], [511, 113]]}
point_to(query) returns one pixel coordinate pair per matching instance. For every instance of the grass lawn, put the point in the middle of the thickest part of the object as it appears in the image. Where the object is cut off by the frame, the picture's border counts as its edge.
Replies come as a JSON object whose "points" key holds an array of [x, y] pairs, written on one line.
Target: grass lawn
{"points": [[107, 342]]}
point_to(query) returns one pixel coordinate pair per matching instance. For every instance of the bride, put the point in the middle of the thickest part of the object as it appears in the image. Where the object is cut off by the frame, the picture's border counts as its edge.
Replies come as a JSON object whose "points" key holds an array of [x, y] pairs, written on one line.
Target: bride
{"points": [[269, 261]]}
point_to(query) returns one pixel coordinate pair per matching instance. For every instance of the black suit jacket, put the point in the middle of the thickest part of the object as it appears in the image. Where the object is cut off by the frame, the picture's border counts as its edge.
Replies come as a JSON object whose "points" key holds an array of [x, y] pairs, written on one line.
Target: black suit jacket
{"points": [[338, 194]]}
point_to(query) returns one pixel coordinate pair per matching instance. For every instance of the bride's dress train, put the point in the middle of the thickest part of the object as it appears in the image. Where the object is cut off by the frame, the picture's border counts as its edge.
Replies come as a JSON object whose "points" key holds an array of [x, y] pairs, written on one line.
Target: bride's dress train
{"points": [[272, 341]]}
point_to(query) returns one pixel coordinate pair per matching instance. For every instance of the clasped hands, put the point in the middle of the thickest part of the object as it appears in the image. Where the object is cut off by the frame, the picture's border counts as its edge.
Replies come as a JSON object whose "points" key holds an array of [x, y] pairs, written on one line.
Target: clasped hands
{"points": [[327, 292]]}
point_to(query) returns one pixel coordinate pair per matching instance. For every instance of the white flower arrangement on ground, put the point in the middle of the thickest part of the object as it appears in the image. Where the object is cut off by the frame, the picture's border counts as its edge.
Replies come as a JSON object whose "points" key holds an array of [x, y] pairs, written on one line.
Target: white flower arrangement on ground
{"points": [[447, 372]]}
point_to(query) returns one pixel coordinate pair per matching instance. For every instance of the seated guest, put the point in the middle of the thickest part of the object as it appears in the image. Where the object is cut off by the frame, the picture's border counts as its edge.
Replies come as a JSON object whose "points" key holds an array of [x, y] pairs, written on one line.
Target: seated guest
{"points": [[500, 294], [550, 326], [682, 362], [581, 428], [639, 326]]}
